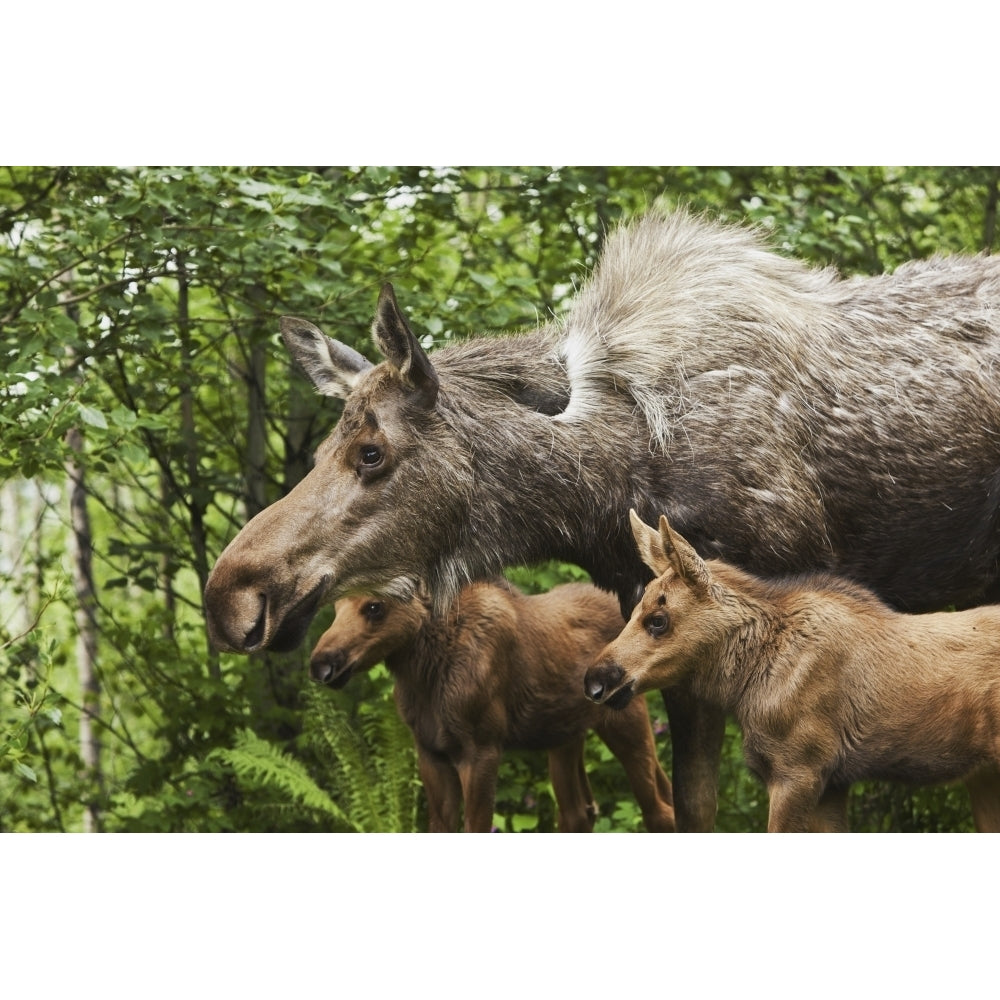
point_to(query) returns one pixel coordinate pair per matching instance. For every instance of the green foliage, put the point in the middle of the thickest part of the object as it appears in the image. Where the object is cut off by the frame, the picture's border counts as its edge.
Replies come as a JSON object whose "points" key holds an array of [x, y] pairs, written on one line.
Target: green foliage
{"points": [[364, 750], [525, 801], [39, 784], [742, 798], [260, 765], [28, 713], [541, 578], [880, 807], [617, 811], [140, 305]]}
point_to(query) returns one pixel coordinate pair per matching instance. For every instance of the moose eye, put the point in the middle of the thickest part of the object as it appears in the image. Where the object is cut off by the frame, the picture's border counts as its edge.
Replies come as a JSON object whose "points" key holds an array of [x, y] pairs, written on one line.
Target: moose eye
{"points": [[371, 460], [657, 624], [373, 611]]}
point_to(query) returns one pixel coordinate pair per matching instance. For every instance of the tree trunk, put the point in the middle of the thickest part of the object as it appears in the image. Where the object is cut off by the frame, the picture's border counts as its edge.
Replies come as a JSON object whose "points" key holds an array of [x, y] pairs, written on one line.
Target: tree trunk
{"points": [[86, 632], [196, 500], [256, 454]]}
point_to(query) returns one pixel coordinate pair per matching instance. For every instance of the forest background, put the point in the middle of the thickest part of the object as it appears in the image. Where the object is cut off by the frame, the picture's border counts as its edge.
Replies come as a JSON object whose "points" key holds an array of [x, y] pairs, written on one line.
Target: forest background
{"points": [[148, 409]]}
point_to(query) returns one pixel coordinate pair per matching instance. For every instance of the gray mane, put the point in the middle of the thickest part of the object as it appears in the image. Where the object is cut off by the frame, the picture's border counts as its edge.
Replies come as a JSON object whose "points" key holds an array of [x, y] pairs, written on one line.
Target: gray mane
{"points": [[677, 297]]}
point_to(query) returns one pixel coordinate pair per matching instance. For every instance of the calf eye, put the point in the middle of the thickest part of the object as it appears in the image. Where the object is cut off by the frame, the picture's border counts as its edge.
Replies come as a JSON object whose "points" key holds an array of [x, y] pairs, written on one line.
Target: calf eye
{"points": [[657, 624], [373, 611], [370, 455]]}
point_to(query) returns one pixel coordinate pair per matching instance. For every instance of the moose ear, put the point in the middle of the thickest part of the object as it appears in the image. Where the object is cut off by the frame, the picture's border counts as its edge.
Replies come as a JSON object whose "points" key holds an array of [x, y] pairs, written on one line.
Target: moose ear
{"points": [[687, 564], [648, 542], [400, 347], [332, 367]]}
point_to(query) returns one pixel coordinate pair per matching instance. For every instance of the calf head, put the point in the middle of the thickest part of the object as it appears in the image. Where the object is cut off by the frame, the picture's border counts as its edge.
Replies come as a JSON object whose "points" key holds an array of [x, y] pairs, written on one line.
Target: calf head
{"points": [[670, 625], [364, 632]]}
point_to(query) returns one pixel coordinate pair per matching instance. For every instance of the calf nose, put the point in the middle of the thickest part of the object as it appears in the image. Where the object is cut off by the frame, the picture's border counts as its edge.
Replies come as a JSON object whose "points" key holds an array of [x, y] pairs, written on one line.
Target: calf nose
{"points": [[325, 666], [601, 680]]}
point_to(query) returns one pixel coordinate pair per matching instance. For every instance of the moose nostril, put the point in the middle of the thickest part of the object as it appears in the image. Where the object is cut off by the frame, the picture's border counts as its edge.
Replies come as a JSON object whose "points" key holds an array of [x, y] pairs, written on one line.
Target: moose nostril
{"points": [[255, 636]]}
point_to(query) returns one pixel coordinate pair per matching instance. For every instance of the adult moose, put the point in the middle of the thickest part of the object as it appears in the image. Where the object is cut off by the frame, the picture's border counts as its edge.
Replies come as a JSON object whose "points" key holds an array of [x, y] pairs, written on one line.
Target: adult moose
{"points": [[783, 418]]}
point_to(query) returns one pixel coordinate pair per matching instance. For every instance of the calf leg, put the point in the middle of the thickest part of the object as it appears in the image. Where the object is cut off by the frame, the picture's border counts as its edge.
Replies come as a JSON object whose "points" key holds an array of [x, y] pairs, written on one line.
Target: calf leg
{"points": [[629, 736], [984, 791], [830, 815], [794, 803], [696, 732], [477, 771], [443, 791], [574, 799]]}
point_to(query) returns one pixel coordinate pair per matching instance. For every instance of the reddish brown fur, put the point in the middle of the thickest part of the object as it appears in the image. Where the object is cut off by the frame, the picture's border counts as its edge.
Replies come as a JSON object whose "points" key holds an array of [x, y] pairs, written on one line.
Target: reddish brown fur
{"points": [[501, 670], [829, 685]]}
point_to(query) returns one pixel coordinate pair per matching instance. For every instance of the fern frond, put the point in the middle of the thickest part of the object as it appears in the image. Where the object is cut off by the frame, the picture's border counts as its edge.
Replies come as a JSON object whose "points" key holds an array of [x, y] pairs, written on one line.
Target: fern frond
{"points": [[365, 757], [262, 765]]}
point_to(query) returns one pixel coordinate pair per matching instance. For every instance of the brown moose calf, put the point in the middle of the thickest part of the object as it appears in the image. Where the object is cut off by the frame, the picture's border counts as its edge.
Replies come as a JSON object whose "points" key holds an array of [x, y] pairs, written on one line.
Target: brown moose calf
{"points": [[501, 670], [828, 684]]}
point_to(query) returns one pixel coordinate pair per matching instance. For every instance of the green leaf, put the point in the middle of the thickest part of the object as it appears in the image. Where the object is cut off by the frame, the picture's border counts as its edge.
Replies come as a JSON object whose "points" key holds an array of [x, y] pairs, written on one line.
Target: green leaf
{"points": [[25, 772], [521, 822], [92, 417], [486, 281]]}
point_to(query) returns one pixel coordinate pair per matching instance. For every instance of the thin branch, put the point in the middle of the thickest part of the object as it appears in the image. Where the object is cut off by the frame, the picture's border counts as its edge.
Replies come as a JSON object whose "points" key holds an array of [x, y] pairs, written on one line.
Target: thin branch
{"points": [[82, 258], [31, 628], [12, 213]]}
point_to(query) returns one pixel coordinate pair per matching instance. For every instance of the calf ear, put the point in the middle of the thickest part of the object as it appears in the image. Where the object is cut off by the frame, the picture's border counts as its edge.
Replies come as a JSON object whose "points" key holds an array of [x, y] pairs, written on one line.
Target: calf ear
{"points": [[332, 367], [650, 546], [400, 347], [687, 564]]}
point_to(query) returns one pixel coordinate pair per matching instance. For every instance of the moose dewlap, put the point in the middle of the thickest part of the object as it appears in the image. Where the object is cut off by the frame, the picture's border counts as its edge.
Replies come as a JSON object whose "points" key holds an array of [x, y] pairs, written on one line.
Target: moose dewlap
{"points": [[829, 685]]}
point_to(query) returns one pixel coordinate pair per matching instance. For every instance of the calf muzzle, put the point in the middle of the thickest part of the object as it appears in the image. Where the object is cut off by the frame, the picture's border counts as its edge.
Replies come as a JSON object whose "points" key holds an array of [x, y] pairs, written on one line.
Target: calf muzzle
{"points": [[330, 668], [605, 684]]}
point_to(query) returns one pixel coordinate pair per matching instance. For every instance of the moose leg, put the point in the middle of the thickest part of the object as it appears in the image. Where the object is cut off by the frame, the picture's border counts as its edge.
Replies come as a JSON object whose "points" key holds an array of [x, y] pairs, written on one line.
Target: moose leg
{"points": [[984, 790], [696, 732], [629, 736], [574, 799], [443, 791], [477, 771]]}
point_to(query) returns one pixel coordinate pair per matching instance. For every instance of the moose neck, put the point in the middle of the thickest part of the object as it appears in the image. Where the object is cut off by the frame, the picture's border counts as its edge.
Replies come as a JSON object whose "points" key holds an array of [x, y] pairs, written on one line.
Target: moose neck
{"points": [[548, 488]]}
